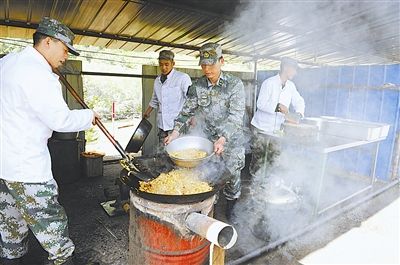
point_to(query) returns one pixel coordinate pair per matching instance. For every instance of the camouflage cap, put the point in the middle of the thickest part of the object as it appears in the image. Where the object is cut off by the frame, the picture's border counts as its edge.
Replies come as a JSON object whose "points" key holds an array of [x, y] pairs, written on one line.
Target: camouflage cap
{"points": [[166, 55], [56, 29], [210, 53]]}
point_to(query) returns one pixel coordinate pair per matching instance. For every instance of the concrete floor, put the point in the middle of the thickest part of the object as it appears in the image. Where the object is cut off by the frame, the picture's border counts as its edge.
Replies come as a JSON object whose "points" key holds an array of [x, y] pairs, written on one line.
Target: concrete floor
{"points": [[375, 241], [313, 249], [95, 244]]}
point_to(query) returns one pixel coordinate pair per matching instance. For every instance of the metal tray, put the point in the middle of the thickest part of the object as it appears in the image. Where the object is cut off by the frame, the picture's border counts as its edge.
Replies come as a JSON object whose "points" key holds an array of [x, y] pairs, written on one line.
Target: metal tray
{"points": [[354, 129]]}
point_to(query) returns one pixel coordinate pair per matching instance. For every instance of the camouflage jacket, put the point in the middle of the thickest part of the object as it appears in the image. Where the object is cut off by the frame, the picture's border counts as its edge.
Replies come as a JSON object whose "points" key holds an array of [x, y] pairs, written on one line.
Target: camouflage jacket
{"points": [[219, 109]]}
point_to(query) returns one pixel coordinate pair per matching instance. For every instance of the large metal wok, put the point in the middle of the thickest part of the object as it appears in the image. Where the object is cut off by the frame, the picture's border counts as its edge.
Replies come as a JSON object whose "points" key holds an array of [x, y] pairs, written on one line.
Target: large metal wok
{"points": [[163, 164], [139, 136], [133, 183]]}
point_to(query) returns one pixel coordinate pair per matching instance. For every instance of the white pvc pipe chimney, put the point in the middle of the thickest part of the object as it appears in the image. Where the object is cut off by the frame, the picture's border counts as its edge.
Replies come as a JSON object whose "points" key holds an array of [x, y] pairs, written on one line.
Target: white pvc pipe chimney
{"points": [[219, 233]]}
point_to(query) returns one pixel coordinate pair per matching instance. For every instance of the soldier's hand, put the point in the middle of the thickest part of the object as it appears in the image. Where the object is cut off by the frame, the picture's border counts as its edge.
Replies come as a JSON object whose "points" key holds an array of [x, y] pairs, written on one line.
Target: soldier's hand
{"points": [[283, 109], [95, 116], [192, 122], [219, 145], [293, 118], [171, 137]]}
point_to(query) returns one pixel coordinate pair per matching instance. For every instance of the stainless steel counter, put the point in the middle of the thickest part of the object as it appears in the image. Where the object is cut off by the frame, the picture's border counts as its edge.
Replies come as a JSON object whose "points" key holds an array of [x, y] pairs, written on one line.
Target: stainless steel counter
{"points": [[335, 135]]}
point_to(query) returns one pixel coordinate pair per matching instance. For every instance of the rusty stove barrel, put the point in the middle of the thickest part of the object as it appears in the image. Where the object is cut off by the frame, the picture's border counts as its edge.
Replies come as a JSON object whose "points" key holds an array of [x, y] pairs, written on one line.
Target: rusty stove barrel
{"points": [[158, 234]]}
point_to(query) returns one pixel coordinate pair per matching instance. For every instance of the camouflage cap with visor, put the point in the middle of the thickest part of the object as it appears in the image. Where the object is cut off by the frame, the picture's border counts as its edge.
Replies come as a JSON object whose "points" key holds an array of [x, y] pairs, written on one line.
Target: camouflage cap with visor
{"points": [[54, 28], [166, 55], [210, 53]]}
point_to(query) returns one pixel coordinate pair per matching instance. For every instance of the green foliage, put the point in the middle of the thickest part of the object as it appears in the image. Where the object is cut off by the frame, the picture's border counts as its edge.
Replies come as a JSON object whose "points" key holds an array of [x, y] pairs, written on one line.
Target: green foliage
{"points": [[91, 135], [100, 92]]}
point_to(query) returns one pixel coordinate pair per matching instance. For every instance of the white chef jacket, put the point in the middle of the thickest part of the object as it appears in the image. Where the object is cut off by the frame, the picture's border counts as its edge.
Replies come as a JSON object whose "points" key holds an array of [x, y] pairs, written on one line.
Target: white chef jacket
{"points": [[169, 98], [31, 107], [271, 93]]}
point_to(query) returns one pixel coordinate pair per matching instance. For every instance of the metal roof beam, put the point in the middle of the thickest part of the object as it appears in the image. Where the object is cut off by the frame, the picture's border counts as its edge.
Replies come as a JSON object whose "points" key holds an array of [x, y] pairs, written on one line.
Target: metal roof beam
{"points": [[96, 34]]}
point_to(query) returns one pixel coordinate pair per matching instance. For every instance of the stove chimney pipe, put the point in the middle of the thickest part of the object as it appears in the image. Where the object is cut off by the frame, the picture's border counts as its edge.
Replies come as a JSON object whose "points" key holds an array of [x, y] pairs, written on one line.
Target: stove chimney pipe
{"points": [[219, 233]]}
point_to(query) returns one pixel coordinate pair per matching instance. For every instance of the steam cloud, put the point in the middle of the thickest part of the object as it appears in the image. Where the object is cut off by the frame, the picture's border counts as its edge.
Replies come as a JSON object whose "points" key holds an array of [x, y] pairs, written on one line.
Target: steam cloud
{"points": [[307, 31], [310, 30]]}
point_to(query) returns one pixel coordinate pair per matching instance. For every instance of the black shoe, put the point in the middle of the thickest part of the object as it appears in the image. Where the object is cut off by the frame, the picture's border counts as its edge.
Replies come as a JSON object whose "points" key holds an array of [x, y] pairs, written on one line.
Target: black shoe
{"points": [[69, 261], [4, 261], [229, 212]]}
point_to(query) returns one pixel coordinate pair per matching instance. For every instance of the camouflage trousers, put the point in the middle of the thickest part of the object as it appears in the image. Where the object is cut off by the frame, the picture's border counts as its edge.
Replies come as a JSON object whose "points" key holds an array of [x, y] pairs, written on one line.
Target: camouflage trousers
{"points": [[265, 151], [234, 162], [33, 206]]}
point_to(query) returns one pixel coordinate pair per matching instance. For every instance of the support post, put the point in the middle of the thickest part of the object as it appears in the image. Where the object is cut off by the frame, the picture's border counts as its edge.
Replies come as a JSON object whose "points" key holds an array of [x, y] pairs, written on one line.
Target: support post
{"points": [[217, 255], [255, 88]]}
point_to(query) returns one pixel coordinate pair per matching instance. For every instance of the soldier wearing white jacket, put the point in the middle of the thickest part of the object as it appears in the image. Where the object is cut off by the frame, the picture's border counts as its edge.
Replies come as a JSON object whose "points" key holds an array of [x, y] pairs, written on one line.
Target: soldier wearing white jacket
{"points": [[276, 95], [169, 94], [31, 108]]}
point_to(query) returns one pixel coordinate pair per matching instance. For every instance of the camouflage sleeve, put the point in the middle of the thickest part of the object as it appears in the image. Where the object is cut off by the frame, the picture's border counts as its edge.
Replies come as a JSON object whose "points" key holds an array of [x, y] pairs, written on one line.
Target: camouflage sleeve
{"points": [[234, 124], [183, 119]]}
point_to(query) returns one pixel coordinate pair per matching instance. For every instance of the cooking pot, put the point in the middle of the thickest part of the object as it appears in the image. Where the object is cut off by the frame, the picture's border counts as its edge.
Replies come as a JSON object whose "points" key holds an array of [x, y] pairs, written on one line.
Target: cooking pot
{"points": [[64, 135], [282, 198], [281, 202]]}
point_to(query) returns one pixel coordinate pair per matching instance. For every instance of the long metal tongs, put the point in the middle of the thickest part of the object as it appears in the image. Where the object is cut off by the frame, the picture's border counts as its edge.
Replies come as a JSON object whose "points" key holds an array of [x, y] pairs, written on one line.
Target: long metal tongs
{"points": [[127, 161]]}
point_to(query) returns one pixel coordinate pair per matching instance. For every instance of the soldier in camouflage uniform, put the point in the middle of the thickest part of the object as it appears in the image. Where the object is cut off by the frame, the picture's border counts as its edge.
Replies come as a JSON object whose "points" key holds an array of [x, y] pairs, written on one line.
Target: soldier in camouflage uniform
{"points": [[31, 107], [217, 102]]}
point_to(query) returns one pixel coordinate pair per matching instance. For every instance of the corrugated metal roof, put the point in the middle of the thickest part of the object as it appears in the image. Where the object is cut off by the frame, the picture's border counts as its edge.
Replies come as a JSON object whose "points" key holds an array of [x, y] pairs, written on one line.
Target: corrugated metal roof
{"points": [[321, 32]]}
